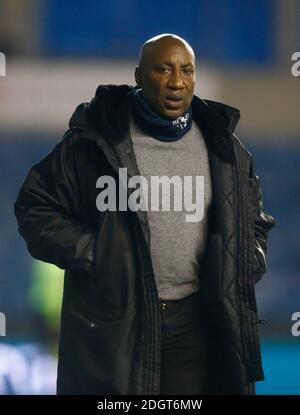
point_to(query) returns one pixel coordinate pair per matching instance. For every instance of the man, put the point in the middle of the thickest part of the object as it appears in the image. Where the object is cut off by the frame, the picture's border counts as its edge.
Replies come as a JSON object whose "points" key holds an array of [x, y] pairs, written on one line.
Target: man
{"points": [[152, 304]]}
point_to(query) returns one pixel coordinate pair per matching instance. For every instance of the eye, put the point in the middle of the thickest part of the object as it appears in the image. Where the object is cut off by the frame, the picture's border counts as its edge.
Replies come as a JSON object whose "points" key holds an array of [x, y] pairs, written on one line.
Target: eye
{"points": [[187, 71], [164, 69]]}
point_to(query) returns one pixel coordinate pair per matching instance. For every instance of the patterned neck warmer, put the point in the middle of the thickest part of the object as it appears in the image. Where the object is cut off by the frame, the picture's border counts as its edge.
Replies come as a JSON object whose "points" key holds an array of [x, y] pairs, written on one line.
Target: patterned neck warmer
{"points": [[160, 128]]}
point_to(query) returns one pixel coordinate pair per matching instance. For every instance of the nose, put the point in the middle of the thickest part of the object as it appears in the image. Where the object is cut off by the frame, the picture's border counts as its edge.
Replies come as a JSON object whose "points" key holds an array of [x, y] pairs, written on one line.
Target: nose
{"points": [[175, 80]]}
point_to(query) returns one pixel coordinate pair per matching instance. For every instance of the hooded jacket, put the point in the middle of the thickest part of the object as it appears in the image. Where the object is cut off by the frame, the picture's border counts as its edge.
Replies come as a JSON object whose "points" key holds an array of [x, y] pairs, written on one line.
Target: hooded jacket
{"points": [[110, 319]]}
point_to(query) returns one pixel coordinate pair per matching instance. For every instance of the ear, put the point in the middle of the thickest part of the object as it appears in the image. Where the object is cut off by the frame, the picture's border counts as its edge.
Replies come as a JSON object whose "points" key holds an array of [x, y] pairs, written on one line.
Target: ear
{"points": [[137, 75]]}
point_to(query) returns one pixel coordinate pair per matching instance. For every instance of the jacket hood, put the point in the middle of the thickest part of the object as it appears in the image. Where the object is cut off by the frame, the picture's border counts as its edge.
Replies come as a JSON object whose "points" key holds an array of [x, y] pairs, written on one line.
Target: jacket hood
{"points": [[106, 112], [108, 115]]}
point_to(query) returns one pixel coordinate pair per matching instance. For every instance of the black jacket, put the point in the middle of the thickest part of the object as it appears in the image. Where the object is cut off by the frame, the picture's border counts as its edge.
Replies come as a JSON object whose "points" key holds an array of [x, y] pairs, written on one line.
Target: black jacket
{"points": [[110, 321]]}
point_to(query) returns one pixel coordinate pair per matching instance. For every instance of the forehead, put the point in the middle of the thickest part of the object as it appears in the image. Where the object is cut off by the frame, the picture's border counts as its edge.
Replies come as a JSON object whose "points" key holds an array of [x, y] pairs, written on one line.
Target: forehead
{"points": [[170, 52]]}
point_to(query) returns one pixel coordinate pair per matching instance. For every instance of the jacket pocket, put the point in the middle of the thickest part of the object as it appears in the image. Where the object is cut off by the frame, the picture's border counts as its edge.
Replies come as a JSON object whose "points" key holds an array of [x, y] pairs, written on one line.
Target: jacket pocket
{"points": [[112, 285], [95, 317], [213, 270]]}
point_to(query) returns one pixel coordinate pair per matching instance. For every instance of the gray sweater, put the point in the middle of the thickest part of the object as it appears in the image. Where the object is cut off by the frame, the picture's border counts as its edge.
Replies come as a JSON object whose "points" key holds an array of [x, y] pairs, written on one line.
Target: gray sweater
{"points": [[176, 244]]}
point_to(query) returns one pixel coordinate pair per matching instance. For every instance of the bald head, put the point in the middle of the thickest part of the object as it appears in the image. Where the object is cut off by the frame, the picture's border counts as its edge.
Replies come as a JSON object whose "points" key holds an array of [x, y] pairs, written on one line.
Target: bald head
{"points": [[161, 42], [166, 74]]}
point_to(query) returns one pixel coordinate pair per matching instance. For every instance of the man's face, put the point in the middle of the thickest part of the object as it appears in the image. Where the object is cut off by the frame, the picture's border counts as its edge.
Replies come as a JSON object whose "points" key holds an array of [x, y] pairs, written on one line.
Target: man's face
{"points": [[167, 79]]}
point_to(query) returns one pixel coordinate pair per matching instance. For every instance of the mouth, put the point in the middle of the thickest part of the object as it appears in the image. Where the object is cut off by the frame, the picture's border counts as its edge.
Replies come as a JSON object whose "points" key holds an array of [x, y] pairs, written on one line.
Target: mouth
{"points": [[173, 101]]}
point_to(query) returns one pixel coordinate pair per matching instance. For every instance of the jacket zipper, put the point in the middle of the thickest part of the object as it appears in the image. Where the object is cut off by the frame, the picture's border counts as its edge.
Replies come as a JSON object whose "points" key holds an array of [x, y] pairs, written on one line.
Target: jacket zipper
{"points": [[243, 336], [114, 163], [144, 384]]}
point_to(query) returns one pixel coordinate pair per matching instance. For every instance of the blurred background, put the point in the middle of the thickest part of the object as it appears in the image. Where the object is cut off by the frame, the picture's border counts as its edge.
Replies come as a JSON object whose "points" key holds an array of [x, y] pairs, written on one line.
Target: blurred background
{"points": [[57, 52]]}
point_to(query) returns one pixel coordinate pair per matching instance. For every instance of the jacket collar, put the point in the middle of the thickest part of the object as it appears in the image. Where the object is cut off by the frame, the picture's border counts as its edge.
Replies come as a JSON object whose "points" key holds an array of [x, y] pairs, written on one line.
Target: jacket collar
{"points": [[108, 114]]}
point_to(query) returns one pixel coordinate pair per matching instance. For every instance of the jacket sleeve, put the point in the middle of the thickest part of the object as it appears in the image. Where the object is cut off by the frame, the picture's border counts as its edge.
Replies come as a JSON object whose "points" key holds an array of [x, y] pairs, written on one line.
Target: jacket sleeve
{"points": [[263, 223], [45, 211]]}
